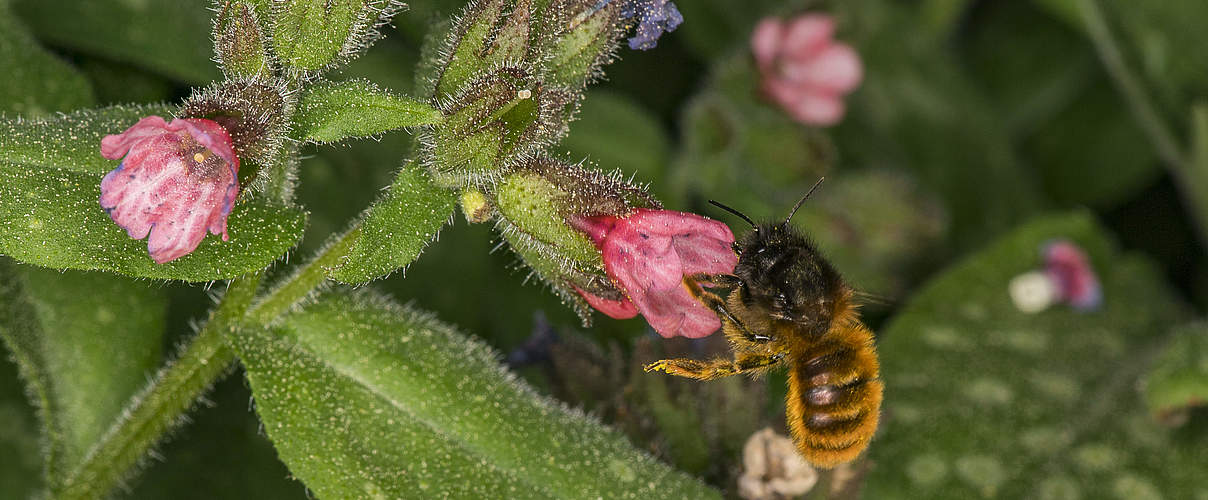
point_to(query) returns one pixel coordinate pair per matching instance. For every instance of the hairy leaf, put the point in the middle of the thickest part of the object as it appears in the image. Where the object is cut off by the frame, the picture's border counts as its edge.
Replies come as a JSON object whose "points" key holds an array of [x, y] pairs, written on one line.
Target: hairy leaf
{"points": [[50, 174], [36, 82], [171, 37], [983, 400], [312, 34], [335, 111], [366, 398], [85, 342], [397, 227]]}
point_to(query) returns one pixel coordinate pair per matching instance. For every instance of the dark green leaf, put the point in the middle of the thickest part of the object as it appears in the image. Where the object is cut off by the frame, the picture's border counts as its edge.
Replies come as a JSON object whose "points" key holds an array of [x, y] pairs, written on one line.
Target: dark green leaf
{"points": [[171, 37], [984, 401], [35, 82], [50, 174], [21, 476], [334, 111], [396, 228], [366, 398], [1179, 378], [85, 343]]}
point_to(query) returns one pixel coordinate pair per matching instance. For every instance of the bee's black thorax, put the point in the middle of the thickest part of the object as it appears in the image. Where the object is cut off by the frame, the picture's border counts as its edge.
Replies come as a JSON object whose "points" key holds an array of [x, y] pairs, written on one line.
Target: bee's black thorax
{"points": [[785, 277]]}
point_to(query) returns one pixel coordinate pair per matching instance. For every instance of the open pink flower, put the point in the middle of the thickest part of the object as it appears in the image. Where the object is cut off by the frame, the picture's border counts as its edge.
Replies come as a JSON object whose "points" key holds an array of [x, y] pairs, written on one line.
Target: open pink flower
{"points": [[176, 181], [804, 70], [647, 254]]}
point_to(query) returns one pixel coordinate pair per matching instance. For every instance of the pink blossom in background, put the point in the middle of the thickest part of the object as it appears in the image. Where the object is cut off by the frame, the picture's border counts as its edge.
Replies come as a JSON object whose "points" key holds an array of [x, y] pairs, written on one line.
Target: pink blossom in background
{"points": [[803, 69], [176, 181], [647, 254], [1069, 268]]}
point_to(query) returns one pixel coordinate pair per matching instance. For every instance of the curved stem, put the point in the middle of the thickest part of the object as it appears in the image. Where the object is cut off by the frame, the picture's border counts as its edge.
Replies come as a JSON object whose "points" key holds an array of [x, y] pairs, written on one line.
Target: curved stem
{"points": [[160, 406]]}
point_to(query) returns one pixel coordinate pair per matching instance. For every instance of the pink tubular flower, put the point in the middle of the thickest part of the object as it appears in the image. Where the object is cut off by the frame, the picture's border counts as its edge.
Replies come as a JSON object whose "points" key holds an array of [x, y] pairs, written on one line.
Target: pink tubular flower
{"points": [[1068, 267], [647, 254], [177, 181], [804, 70]]}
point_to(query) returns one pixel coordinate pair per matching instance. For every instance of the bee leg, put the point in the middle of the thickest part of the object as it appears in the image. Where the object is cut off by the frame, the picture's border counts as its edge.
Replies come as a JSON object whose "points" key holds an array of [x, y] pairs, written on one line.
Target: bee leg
{"points": [[716, 304], [716, 368]]}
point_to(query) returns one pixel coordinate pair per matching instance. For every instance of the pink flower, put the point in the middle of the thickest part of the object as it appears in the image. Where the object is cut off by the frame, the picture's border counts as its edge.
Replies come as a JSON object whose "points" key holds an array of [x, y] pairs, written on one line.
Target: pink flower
{"points": [[647, 254], [177, 181], [804, 69], [1069, 269]]}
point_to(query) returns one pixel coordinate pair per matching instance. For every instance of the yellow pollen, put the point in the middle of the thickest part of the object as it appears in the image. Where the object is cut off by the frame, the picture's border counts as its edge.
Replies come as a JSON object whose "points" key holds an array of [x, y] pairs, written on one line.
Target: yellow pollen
{"points": [[198, 157]]}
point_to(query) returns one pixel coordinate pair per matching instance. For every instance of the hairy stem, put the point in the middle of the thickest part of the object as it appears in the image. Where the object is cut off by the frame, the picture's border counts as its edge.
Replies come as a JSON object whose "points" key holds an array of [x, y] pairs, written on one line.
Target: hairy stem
{"points": [[206, 358], [160, 406], [1181, 168]]}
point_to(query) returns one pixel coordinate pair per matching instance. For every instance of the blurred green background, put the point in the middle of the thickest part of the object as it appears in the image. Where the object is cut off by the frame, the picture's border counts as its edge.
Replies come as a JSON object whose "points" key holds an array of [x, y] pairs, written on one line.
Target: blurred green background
{"points": [[982, 129]]}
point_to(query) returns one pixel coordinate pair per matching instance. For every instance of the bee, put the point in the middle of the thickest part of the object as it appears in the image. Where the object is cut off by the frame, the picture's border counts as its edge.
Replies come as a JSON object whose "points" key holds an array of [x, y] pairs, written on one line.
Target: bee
{"points": [[788, 306]]}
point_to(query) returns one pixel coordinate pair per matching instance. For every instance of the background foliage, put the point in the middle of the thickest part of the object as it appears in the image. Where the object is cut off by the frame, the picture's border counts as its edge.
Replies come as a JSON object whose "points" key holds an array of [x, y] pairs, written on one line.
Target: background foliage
{"points": [[983, 129]]}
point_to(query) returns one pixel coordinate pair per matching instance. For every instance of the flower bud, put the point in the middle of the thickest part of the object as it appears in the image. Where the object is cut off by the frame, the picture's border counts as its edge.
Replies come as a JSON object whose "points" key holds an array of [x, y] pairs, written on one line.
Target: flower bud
{"points": [[576, 38], [535, 204], [239, 42], [494, 120], [484, 38], [475, 206], [253, 112], [310, 35]]}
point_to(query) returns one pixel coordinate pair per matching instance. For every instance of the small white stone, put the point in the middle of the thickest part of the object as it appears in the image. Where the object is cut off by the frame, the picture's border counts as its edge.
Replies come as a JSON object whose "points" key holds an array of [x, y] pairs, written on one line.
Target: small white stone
{"points": [[1033, 292]]}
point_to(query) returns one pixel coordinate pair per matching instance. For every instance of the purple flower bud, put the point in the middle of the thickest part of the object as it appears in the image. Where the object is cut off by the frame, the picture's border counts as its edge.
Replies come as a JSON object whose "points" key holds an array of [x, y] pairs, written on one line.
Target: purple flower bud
{"points": [[176, 181]]}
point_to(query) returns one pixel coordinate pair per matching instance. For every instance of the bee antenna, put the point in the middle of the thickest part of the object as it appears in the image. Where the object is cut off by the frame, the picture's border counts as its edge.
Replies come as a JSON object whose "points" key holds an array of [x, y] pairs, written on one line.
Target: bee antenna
{"points": [[731, 210], [803, 198]]}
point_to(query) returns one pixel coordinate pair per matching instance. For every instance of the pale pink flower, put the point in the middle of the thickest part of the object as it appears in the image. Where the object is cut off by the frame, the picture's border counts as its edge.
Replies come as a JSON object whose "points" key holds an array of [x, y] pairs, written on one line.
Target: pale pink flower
{"points": [[176, 181], [647, 254], [803, 69]]}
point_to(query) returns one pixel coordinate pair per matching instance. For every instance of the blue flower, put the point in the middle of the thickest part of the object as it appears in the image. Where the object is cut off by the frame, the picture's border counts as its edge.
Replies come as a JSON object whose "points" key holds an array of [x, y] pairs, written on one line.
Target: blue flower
{"points": [[655, 17]]}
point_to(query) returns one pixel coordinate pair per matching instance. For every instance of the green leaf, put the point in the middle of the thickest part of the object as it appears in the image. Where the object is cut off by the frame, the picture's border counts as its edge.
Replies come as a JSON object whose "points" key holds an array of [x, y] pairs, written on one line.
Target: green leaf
{"points": [[312, 34], [984, 401], [335, 111], [366, 398], [396, 228], [36, 82], [50, 174], [169, 36], [1179, 377], [85, 343]]}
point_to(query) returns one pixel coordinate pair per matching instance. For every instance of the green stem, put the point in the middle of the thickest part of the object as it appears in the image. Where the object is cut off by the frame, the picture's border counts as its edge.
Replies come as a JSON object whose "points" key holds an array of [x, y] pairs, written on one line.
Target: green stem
{"points": [[160, 406], [1146, 114]]}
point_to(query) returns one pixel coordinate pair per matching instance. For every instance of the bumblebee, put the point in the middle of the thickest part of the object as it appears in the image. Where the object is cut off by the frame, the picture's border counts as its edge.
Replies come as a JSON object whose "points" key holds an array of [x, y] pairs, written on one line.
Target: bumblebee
{"points": [[788, 306]]}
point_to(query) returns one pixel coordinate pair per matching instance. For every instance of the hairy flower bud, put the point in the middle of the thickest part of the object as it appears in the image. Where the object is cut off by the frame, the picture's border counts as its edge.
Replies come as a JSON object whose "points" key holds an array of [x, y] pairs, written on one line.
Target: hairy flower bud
{"points": [[576, 38], [536, 203], [239, 42], [495, 120], [485, 37], [254, 112], [311, 35]]}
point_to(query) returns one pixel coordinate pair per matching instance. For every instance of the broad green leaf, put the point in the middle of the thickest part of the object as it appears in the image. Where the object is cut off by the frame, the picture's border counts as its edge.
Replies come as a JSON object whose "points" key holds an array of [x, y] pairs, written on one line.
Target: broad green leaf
{"points": [[615, 132], [171, 37], [225, 441], [1179, 378], [364, 398], [311, 34], [36, 82], [85, 343], [21, 476], [50, 173], [334, 111], [397, 227], [985, 401]]}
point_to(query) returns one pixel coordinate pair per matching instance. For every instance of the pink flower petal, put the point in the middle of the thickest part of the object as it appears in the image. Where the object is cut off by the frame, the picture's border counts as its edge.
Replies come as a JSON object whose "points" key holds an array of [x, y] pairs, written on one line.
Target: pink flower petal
{"points": [[648, 253], [1070, 269], [176, 182], [765, 41], [808, 34], [836, 68], [817, 109], [616, 309]]}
